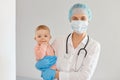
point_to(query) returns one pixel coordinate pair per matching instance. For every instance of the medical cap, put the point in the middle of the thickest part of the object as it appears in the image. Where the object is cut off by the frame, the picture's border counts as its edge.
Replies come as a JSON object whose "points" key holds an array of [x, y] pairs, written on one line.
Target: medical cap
{"points": [[80, 8]]}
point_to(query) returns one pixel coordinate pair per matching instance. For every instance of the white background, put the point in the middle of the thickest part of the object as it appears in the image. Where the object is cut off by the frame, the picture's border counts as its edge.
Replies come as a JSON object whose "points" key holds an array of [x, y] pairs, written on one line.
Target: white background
{"points": [[7, 40], [104, 27]]}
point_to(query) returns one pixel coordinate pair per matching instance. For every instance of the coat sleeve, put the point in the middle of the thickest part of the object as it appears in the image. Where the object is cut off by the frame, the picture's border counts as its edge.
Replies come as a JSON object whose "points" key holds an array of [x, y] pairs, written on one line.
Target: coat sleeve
{"points": [[87, 69]]}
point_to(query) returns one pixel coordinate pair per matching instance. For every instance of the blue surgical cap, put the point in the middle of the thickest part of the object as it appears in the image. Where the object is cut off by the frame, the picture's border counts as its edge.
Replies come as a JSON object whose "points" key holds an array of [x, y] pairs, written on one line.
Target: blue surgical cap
{"points": [[80, 8]]}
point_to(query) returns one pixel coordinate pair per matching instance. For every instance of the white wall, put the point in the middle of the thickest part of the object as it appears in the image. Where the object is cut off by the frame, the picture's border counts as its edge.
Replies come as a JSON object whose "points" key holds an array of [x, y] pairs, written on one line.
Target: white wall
{"points": [[104, 27], [7, 40]]}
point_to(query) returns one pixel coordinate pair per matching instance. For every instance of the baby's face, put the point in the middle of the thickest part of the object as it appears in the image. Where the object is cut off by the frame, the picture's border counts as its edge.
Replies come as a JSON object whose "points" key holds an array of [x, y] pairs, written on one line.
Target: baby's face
{"points": [[42, 36]]}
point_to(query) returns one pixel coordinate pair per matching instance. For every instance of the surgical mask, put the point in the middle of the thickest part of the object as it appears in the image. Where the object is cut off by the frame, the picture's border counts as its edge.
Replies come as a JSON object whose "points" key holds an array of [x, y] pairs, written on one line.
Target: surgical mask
{"points": [[79, 26]]}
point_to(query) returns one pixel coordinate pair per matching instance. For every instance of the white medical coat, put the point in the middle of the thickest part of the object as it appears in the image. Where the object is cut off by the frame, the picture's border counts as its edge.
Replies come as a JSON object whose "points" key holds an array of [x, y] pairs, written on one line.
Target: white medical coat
{"points": [[66, 63]]}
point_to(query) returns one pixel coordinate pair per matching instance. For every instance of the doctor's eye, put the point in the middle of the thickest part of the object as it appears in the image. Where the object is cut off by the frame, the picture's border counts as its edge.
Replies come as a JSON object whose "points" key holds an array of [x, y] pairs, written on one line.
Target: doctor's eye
{"points": [[83, 18], [74, 18]]}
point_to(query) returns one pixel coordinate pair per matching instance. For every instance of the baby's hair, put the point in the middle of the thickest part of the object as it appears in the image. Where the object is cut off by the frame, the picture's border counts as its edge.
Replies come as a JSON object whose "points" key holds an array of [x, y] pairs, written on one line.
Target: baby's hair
{"points": [[44, 27]]}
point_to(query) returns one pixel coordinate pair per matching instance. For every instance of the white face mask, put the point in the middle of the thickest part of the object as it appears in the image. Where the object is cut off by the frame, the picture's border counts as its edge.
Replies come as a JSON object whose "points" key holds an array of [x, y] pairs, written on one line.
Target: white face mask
{"points": [[79, 26]]}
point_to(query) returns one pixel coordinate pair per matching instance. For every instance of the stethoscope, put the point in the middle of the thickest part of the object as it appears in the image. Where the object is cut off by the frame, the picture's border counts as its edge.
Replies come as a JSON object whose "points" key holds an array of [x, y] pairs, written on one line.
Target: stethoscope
{"points": [[84, 48], [80, 50]]}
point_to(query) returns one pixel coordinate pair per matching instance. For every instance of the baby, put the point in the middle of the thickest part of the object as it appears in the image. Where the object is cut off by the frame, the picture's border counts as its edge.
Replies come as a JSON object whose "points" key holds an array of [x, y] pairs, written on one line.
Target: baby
{"points": [[43, 47]]}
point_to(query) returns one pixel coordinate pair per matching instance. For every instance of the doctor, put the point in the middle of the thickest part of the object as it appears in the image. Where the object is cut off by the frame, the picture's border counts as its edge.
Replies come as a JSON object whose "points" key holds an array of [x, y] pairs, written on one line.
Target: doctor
{"points": [[77, 53]]}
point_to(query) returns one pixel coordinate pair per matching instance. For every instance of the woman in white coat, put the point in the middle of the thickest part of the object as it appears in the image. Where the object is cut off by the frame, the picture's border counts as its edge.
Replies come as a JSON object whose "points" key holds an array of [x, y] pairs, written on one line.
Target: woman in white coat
{"points": [[77, 53]]}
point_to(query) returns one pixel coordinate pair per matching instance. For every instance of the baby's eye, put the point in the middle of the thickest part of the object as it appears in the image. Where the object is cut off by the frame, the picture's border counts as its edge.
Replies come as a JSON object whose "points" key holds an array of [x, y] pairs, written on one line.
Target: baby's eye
{"points": [[39, 36], [45, 36]]}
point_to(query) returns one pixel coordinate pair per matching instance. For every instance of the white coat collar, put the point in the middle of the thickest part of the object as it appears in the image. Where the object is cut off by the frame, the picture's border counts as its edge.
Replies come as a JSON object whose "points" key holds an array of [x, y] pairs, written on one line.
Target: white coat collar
{"points": [[83, 41]]}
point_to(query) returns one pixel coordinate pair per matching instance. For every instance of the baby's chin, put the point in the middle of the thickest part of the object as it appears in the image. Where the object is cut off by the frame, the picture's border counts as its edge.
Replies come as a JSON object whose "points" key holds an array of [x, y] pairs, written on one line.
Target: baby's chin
{"points": [[43, 43]]}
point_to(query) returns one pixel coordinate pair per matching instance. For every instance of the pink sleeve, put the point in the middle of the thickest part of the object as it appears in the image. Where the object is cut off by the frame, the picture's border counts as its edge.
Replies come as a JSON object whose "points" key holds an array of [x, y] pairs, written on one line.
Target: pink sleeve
{"points": [[40, 52], [50, 50]]}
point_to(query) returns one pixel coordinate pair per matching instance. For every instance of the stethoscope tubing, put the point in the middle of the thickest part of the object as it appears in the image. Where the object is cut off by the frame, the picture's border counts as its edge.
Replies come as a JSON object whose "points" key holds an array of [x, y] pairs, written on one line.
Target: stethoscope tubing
{"points": [[84, 48]]}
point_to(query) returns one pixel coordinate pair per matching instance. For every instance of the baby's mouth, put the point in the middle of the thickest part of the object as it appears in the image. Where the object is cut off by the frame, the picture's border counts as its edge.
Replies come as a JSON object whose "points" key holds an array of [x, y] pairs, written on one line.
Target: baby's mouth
{"points": [[43, 41]]}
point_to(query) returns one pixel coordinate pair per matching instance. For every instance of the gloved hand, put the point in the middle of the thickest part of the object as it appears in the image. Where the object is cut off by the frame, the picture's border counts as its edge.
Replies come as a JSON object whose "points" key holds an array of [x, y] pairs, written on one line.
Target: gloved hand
{"points": [[48, 74], [46, 62]]}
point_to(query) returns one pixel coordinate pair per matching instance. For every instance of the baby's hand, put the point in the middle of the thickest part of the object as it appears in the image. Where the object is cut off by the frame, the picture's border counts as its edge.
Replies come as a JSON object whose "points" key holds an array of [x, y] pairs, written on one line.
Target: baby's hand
{"points": [[44, 46]]}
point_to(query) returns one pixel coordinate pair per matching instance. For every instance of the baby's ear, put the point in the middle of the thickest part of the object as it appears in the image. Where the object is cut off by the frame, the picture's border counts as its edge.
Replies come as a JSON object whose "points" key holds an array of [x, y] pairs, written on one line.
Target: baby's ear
{"points": [[34, 38]]}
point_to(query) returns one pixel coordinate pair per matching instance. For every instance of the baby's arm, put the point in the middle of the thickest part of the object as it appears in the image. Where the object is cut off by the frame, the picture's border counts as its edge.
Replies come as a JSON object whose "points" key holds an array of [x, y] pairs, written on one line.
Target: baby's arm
{"points": [[40, 51], [50, 50]]}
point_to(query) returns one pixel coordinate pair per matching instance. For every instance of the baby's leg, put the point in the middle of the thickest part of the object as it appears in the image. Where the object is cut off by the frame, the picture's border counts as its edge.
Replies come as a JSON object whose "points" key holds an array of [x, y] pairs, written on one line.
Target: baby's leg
{"points": [[54, 67]]}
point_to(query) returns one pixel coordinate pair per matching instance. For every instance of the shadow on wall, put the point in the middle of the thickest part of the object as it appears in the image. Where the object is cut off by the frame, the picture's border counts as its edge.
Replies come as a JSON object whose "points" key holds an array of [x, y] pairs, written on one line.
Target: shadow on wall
{"points": [[25, 78]]}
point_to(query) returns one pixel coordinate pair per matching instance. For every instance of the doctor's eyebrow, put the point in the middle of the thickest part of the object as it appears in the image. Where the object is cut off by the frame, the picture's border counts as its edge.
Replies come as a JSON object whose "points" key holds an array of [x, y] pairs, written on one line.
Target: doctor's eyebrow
{"points": [[81, 18]]}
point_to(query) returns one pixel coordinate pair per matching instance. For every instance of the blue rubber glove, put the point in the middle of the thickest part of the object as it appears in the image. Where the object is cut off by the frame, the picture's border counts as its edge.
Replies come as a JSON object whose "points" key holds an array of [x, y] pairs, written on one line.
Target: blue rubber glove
{"points": [[48, 74], [46, 62]]}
